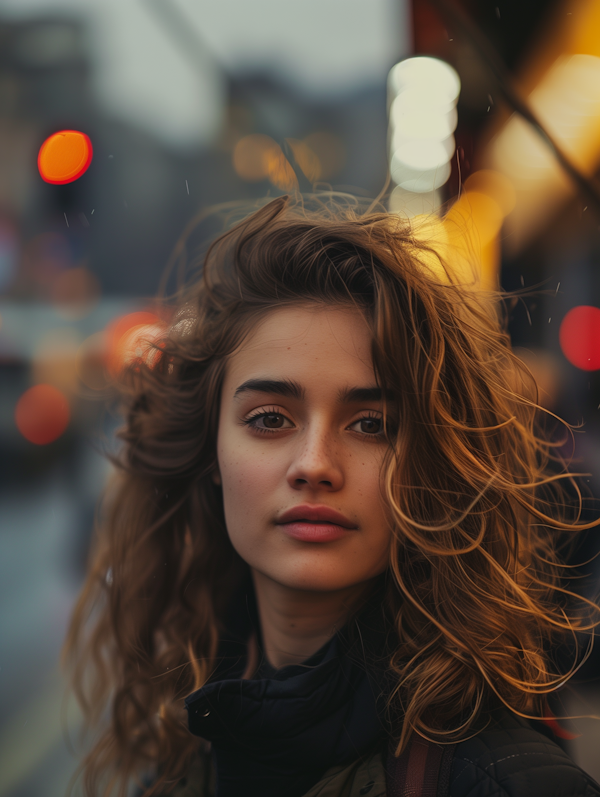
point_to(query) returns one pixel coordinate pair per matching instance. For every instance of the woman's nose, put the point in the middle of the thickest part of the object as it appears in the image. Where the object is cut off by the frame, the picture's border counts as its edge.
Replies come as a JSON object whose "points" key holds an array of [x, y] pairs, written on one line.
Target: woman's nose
{"points": [[316, 463]]}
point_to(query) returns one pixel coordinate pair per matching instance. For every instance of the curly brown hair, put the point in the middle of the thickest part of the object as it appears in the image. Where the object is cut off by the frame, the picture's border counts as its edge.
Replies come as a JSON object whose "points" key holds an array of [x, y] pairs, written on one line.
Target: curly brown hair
{"points": [[474, 590]]}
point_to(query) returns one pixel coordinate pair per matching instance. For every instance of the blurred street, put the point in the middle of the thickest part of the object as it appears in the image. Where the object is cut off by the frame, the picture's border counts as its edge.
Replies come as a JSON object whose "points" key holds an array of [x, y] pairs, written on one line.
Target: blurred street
{"points": [[42, 545]]}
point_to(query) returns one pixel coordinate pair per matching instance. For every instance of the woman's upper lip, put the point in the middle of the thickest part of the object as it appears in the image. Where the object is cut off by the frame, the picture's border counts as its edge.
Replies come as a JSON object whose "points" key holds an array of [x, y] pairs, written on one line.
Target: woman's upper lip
{"points": [[316, 512]]}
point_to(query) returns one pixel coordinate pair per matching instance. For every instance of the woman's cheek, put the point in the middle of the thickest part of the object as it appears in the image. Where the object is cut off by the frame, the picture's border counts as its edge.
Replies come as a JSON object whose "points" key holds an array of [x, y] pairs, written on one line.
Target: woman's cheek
{"points": [[251, 476]]}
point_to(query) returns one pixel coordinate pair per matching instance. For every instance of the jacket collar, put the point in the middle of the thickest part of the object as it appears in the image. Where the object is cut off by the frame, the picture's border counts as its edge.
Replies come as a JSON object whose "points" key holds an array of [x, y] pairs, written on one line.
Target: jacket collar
{"points": [[276, 734]]}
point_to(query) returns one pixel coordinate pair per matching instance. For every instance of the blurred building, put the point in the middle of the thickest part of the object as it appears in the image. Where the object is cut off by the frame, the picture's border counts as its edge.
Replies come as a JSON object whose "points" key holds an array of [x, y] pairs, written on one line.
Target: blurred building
{"points": [[75, 256]]}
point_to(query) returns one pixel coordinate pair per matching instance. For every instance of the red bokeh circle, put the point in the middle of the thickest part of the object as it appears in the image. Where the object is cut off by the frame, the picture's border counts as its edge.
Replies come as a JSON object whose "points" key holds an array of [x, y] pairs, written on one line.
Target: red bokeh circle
{"points": [[42, 414], [579, 337]]}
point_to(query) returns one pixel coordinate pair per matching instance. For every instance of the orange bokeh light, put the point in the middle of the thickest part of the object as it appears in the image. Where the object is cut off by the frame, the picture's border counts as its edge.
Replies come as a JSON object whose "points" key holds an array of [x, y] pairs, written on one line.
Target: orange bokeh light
{"points": [[64, 157], [579, 337], [42, 414], [126, 338]]}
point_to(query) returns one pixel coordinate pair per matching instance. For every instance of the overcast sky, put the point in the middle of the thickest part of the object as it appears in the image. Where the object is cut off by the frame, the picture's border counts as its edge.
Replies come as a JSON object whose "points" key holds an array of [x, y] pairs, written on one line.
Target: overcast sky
{"points": [[141, 75]]}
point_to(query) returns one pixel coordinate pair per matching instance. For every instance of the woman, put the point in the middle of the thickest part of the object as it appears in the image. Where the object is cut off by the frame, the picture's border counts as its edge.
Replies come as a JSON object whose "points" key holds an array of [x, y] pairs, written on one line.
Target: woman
{"points": [[330, 562]]}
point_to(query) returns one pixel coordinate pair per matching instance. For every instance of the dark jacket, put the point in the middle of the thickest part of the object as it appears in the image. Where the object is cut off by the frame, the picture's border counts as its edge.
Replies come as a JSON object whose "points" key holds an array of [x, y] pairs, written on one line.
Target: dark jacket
{"points": [[510, 758], [321, 729]]}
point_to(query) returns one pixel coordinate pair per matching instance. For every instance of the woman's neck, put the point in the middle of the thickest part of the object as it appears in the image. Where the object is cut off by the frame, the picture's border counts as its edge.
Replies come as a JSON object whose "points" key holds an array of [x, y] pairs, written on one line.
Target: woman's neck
{"points": [[295, 624]]}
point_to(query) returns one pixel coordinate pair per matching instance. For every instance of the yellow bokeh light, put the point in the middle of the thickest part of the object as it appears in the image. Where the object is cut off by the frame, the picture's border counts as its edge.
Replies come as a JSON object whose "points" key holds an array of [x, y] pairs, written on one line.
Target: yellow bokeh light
{"points": [[494, 184], [257, 157], [478, 214], [473, 224], [466, 238], [320, 156], [430, 229], [567, 102], [280, 172]]}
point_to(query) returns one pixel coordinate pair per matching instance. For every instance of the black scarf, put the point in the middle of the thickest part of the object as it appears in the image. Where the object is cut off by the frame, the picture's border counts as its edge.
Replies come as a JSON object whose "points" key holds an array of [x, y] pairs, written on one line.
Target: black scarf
{"points": [[276, 734]]}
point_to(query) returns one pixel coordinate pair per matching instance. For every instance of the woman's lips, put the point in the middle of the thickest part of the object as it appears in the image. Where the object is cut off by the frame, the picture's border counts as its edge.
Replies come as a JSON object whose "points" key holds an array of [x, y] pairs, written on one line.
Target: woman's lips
{"points": [[314, 532], [315, 513]]}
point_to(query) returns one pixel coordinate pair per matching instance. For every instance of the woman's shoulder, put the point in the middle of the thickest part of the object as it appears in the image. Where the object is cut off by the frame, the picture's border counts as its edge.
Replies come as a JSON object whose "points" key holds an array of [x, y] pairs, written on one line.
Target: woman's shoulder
{"points": [[512, 758]]}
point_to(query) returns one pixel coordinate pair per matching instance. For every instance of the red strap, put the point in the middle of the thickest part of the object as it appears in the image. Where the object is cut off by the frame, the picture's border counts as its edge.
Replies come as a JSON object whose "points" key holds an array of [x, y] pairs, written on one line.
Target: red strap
{"points": [[557, 729], [423, 769]]}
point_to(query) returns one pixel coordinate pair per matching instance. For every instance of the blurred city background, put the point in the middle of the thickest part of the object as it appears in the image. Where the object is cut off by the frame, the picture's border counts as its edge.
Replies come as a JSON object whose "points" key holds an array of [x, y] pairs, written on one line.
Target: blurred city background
{"points": [[188, 104]]}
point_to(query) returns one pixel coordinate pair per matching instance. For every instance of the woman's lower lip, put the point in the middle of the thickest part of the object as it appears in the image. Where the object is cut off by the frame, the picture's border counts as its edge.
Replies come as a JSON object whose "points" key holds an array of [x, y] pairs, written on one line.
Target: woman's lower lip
{"points": [[314, 532]]}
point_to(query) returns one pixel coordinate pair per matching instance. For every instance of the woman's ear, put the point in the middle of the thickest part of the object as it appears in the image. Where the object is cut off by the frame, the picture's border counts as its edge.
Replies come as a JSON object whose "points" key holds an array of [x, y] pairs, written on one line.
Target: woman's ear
{"points": [[216, 476]]}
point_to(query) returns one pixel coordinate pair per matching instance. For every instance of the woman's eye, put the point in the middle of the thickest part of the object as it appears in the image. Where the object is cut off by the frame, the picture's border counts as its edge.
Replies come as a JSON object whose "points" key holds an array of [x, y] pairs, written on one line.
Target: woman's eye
{"points": [[273, 420], [370, 426], [267, 421]]}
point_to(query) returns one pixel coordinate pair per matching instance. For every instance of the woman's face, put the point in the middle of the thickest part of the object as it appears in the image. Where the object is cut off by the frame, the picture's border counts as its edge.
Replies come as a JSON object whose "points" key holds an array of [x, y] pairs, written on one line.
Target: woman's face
{"points": [[298, 441]]}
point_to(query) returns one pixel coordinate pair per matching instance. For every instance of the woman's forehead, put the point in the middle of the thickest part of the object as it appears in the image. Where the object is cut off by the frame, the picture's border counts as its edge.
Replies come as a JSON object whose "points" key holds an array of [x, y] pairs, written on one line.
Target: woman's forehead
{"points": [[328, 341], [298, 320]]}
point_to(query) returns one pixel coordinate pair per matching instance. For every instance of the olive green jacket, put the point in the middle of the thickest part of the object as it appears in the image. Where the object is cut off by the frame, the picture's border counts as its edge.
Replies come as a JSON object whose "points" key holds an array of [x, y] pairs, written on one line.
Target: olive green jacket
{"points": [[364, 776]]}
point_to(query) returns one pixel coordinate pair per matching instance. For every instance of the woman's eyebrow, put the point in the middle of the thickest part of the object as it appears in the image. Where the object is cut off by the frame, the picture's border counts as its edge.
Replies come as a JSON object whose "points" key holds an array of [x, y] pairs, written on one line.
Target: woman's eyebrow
{"points": [[291, 389]]}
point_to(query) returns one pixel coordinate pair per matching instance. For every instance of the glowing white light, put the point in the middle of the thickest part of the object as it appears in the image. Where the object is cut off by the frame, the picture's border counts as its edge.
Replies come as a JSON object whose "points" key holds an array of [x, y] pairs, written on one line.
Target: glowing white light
{"points": [[411, 203], [422, 96], [422, 123], [420, 181], [423, 154], [431, 77]]}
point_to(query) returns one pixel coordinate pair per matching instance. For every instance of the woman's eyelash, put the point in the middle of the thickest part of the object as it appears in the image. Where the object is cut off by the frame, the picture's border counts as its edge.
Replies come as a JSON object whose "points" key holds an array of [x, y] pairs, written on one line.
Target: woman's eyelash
{"points": [[250, 422]]}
